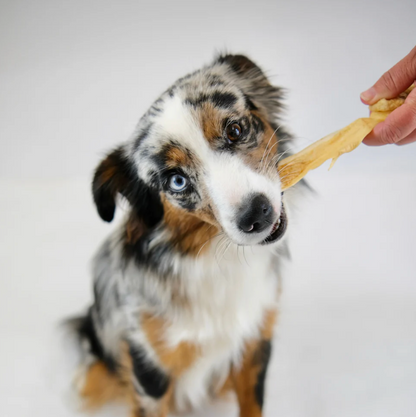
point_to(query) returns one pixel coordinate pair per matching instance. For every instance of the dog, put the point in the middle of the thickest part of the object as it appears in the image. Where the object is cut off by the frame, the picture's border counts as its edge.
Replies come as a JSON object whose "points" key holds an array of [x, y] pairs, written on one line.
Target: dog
{"points": [[186, 289]]}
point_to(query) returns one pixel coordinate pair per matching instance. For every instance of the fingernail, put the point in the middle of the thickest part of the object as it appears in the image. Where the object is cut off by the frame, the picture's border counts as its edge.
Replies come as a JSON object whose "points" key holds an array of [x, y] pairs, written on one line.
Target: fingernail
{"points": [[368, 96]]}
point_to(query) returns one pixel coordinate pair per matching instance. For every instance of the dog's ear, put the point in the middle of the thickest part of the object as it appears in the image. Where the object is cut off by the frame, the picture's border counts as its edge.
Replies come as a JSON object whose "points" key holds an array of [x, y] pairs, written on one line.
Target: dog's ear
{"points": [[254, 83], [239, 63], [117, 174]]}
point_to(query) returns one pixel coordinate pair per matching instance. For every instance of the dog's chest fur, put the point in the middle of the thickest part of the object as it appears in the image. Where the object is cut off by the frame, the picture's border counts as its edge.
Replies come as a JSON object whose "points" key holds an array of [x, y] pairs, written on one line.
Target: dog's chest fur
{"points": [[229, 296]]}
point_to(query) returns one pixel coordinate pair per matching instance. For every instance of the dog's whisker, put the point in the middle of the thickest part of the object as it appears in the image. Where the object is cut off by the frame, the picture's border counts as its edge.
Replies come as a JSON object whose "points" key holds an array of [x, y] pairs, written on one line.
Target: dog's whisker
{"points": [[266, 163], [276, 158], [244, 255], [225, 250], [265, 149], [222, 245], [202, 246], [238, 254], [231, 242], [280, 155], [218, 249], [290, 149], [285, 167], [272, 168]]}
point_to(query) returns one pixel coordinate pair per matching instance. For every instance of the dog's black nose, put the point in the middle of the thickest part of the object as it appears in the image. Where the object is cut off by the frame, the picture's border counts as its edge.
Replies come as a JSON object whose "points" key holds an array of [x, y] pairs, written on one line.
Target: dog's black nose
{"points": [[255, 214]]}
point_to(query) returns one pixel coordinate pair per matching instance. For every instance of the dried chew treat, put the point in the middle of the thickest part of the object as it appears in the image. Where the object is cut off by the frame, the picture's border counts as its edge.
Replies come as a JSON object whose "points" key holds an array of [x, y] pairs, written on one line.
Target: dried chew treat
{"points": [[293, 168], [391, 104]]}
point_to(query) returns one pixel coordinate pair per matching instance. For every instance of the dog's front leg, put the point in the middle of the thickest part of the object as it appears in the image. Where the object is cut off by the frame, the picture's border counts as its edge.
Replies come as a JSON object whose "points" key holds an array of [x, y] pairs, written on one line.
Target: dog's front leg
{"points": [[151, 386], [249, 377]]}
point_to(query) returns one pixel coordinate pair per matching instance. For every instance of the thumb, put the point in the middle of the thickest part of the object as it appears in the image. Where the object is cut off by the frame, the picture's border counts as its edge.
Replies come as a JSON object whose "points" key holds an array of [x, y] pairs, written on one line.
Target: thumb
{"points": [[394, 81]]}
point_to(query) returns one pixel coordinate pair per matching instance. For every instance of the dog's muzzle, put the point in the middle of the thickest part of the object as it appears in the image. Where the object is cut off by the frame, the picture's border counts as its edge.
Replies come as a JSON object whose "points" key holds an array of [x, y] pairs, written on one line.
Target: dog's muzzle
{"points": [[256, 215]]}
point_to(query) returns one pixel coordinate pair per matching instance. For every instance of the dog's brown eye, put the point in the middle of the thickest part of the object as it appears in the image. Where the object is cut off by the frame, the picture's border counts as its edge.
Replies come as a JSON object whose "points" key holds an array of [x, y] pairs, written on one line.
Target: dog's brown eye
{"points": [[234, 132]]}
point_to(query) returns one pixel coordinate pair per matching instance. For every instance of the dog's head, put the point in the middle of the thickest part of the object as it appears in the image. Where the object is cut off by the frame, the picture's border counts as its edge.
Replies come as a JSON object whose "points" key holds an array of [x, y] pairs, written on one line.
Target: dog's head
{"points": [[206, 150]]}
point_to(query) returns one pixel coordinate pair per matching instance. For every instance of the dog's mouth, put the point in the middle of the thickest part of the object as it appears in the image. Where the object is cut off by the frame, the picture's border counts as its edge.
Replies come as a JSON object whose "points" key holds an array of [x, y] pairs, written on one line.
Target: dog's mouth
{"points": [[278, 230]]}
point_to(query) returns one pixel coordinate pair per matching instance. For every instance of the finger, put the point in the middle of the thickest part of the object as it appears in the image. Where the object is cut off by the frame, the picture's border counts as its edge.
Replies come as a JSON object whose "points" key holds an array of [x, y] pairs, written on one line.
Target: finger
{"points": [[398, 125], [372, 139], [408, 139], [394, 81]]}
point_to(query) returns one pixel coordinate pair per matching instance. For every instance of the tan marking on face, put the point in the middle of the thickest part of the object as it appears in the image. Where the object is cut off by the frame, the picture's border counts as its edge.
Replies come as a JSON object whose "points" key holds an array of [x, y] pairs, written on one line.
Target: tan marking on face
{"points": [[191, 232], [175, 360], [264, 154], [211, 122], [177, 157]]}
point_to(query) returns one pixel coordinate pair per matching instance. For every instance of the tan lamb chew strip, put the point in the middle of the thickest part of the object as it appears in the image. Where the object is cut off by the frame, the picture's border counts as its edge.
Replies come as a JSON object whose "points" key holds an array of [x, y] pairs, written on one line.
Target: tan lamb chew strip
{"points": [[293, 168]]}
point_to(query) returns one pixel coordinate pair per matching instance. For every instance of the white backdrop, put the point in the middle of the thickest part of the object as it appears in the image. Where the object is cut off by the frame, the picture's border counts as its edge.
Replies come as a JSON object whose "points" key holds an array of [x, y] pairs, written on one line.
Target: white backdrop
{"points": [[75, 76]]}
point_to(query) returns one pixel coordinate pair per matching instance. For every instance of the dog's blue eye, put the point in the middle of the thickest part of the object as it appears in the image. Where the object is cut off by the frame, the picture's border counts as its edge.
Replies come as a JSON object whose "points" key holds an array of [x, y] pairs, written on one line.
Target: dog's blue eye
{"points": [[177, 183]]}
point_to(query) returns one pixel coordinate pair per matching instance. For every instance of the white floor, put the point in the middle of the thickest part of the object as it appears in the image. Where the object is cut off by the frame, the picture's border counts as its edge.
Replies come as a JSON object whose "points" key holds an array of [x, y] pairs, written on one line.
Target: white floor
{"points": [[346, 343]]}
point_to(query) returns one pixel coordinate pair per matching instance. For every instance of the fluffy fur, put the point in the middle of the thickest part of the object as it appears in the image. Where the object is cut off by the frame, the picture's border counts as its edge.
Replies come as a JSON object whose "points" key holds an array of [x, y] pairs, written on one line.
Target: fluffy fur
{"points": [[183, 309]]}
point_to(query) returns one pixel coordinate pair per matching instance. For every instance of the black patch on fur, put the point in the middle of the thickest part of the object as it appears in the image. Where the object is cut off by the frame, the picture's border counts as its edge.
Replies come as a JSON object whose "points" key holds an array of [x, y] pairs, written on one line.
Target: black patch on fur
{"points": [[226, 100], [223, 100], [186, 202], [117, 174], [154, 110], [215, 81], [258, 125], [141, 136], [249, 104], [158, 258], [86, 330], [154, 178], [158, 101], [186, 77], [197, 101], [262, 358], [152, 379]]}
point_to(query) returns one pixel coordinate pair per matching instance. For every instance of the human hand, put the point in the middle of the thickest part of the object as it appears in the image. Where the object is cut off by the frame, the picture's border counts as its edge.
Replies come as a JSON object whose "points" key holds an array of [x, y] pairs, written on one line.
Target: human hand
{"points": [[400, 126]]}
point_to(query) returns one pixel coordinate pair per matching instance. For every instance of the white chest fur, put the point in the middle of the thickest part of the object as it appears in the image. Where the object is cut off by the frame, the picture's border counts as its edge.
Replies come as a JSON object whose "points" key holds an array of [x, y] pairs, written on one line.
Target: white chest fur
{"points": [[228, 298]]}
